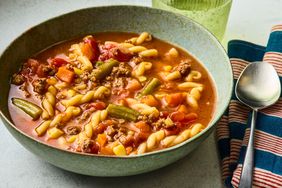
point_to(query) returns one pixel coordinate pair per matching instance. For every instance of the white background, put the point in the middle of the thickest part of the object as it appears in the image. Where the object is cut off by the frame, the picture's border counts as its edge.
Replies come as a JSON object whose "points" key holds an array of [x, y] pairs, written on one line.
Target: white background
{"points": [[249, 20]]}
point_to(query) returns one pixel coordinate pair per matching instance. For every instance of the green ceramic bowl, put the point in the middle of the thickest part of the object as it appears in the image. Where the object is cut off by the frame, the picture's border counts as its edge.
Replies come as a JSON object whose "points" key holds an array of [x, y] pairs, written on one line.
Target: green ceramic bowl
{"points": [[168, 26]]}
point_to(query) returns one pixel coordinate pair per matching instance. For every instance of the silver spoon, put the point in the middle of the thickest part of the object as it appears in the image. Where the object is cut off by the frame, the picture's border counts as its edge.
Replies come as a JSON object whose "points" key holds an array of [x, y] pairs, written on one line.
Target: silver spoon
{"points": [[258, 87]]}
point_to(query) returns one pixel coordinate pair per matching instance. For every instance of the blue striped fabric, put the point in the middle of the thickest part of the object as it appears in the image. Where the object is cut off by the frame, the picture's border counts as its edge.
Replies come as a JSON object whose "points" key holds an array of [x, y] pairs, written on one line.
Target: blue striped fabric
{"points": [[233, 129]]}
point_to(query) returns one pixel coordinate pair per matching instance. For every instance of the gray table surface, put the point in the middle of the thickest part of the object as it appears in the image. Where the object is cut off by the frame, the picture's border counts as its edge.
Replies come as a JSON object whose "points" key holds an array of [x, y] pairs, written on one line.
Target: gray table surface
{"points": [[20, 168]]}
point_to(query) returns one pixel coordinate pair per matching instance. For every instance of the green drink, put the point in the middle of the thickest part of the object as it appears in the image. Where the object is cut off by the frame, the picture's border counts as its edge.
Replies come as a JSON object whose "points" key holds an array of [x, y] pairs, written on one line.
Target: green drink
{"points": [[213, 14]]}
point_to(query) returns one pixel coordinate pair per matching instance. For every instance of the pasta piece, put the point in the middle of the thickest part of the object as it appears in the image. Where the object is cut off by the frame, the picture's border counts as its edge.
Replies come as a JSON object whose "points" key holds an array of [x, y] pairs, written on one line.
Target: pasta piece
{"points": [[152, 142], [65, 116], [75, 48], [95, 119], [173, 76], [188, 85], [145, 36], [149, 53], [142, 78], [167, 68], [61, 85], [62, 142], [141, 68], [111, 43], [72, 138], [80, 87], [71, 93], [85, 63], [196, 128], [193, 97], [78, 71], [142, 148], [101, 92], [193, 75], [125, 45], [57, 119], [182, 137], [173, 53], [132, 40], [167, 141], [188, 133], [48, 103], [137, 49], [88, 130], [54, 133], [103, 115], [52, 90], [145, 109], [72, 56], [69, 113], [87, 97], [42, 128], [79, 99]]}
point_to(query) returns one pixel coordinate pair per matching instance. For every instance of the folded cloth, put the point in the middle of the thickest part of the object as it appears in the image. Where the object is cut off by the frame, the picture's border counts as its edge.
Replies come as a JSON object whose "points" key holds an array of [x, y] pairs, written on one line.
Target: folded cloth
{"points": [[233, 129]]}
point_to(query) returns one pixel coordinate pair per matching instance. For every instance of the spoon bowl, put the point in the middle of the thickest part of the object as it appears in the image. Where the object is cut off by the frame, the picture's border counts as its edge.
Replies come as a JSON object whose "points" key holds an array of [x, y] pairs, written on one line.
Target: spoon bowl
{"points": [[258, 87]]}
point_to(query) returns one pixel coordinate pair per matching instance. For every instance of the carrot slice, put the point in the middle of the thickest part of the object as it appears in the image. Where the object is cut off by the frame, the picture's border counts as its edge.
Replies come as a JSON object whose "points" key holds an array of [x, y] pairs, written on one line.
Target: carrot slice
{"points": [[86, 49], [174, 99], [65, 75], [102, 139]]}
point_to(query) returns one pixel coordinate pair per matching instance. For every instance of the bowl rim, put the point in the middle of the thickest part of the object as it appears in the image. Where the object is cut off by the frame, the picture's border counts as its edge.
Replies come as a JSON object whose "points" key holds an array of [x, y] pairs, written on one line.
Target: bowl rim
{"points": [[169, 149]]}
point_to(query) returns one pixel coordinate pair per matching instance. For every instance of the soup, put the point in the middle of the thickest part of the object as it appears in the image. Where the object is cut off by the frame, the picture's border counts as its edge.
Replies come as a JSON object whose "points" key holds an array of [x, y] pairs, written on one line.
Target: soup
{"points": [[112, 94]]}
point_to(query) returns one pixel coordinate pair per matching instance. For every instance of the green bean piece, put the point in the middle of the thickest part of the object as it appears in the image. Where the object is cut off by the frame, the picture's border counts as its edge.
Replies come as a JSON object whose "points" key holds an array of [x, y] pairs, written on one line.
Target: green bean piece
{"points": [[122, 112], [150, 87], [29, 108], [104, 69], [99, 63]]}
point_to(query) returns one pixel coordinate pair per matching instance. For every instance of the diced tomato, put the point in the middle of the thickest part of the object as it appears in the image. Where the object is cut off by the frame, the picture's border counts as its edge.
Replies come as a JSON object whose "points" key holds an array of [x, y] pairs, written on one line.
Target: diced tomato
{"points": [[101, 127], [172, 131], [126, 140], [143, 126], [108, 46], [40, 73], [95, 148], [33, 65], [98, 105], [91, 49], [189, 118], [164, 114], [58, 62], [177, 116], [140, 137], [108, 122], [109, 51], [65, 75], [174, 99], [122, 56]]}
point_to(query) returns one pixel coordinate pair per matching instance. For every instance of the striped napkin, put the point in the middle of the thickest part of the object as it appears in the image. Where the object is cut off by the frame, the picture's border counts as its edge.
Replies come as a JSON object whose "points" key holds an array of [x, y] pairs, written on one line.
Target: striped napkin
{"points": [[233, 129]]}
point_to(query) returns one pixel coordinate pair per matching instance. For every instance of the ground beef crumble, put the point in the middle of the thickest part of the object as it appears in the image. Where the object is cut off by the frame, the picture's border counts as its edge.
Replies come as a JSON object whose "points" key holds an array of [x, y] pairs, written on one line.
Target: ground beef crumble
{"points": [[39, 86], [184, 68]]}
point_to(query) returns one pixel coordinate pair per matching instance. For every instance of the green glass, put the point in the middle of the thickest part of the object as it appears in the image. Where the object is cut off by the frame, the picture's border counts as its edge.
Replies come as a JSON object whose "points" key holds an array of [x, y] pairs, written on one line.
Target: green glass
{"points": [[213, 14]]}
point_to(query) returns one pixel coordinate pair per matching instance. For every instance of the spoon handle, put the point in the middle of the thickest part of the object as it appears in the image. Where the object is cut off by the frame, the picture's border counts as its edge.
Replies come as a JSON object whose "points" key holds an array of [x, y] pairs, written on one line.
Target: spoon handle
{"points": [[246, 178]]}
